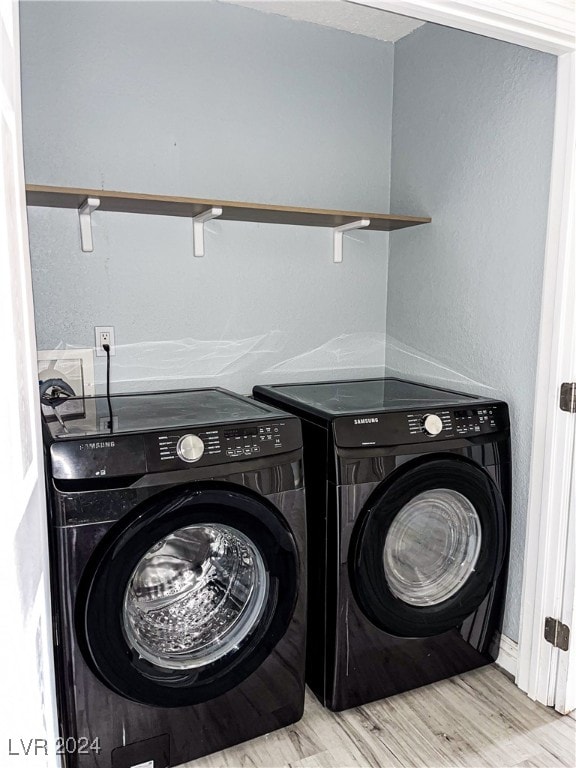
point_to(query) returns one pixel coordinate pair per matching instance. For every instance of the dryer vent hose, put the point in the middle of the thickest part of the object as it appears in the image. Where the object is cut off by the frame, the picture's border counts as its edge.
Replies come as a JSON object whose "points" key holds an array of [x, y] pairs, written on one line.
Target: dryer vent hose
{"points": [[55, 391]]}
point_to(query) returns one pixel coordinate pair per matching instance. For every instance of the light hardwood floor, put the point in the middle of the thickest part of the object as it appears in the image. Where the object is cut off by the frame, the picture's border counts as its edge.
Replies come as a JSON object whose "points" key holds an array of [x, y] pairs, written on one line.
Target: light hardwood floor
{"points": [[479, 719]]}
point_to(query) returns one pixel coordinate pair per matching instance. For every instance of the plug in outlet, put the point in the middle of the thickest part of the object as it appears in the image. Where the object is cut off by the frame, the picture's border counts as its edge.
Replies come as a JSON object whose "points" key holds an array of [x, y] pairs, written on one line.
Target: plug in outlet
{"points": [[104, 334]]}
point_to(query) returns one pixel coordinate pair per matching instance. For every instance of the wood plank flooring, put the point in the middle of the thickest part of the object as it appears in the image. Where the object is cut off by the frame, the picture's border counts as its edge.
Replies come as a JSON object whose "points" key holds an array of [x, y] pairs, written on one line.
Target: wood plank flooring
{"points": [[478, 720]]}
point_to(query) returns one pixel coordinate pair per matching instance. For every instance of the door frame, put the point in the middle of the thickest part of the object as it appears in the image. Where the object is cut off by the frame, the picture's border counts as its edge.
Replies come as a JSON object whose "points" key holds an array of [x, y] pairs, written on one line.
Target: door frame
{"points": [[542, 671], [548, 585], [548, 28]]}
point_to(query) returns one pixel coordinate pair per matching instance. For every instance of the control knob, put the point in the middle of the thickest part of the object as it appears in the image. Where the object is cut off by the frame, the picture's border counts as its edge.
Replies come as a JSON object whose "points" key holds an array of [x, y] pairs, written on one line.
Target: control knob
{"points": [[190, 448], [432, 424]]}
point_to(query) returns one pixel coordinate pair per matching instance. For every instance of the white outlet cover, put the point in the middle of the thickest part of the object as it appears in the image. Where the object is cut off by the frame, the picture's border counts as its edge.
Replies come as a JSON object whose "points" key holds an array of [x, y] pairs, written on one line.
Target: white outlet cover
{"points": [[98, 329]]}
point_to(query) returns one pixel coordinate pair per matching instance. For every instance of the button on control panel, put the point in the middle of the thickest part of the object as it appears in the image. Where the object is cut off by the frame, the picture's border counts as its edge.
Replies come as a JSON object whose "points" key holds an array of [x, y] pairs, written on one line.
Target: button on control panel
{"points": [[242, 441]]}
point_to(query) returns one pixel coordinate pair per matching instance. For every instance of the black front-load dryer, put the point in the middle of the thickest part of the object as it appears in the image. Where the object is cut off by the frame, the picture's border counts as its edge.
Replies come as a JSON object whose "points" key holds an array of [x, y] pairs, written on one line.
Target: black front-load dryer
{"points": [[408, 499], [177, 526]]}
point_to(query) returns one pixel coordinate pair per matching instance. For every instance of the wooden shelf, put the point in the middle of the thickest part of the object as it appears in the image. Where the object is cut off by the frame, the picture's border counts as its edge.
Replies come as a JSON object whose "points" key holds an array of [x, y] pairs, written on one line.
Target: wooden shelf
{"points": [[130, 202]]}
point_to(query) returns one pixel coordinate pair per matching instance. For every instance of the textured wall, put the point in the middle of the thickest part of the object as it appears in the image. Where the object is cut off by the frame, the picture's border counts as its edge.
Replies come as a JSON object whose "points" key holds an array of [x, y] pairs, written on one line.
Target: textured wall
{"points": [[472, 139], [207, 100]]}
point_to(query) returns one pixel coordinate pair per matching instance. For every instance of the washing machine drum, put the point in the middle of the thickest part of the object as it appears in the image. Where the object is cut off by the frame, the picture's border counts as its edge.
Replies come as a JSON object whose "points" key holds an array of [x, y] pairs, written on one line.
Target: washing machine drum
{"points": [[189, 596], [428, 547]]}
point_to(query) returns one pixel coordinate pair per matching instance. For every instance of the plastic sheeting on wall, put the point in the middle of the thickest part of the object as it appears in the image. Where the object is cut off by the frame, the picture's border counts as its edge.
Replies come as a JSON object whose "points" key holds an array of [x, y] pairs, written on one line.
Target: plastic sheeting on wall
{"points": [[239, 364]]}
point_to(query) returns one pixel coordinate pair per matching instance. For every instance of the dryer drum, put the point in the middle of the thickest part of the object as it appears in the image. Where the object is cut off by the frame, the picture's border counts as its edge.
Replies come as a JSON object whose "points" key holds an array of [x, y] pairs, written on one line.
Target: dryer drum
{"points": [[428, 547], [181, 600]]}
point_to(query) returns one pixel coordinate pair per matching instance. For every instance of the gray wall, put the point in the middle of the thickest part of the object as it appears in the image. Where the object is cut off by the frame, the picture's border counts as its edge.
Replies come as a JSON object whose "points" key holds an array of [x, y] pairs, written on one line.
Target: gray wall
{"points": [[207, 100], [472, 138]]}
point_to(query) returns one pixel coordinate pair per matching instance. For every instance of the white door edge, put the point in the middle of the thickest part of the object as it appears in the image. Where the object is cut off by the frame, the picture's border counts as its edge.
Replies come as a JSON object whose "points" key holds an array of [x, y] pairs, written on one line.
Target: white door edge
{"points": [[565, 695], [549, 562], [28, 683]]}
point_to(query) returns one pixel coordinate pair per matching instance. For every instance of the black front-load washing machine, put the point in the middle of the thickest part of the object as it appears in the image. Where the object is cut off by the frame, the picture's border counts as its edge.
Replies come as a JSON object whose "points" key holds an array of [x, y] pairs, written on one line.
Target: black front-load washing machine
{"points": [[177, 525], [408, 500]]}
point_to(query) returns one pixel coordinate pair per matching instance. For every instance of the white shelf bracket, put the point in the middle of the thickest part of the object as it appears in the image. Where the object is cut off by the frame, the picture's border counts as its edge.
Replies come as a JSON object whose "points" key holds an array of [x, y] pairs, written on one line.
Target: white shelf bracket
{"points": [[85, 215], [198, 228], [339, 236]]}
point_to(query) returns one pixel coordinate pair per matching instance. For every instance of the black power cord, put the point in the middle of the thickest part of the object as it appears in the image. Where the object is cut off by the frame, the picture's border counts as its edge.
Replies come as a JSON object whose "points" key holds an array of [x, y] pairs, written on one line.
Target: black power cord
{"points": [[106, 348]]}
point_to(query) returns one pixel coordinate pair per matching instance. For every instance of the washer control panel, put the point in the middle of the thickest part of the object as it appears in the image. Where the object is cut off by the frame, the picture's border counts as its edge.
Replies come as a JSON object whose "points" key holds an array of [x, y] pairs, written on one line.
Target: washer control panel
{"points": [[221, 444], [420, 425]]}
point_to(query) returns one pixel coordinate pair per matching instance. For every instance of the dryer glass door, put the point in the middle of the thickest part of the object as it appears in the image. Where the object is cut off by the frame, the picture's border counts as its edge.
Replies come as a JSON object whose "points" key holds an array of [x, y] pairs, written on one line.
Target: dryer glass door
{"points": [[428, 547], [432, 547], [186, 596]]}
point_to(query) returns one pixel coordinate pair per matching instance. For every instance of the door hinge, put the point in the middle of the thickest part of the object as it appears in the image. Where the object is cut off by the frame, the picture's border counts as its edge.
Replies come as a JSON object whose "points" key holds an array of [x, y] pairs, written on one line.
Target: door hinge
{"points": [[556, 633], [568, 397]]}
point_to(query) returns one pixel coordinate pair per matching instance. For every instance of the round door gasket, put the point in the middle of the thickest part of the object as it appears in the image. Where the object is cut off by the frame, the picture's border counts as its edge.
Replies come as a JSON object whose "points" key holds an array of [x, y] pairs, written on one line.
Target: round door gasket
{"points": [[99, 603], [366, 562]]}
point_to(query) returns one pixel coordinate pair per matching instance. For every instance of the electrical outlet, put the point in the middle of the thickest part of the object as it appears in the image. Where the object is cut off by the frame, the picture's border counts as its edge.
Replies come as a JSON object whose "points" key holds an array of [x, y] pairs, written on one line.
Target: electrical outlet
{"points": [[104, 334]]}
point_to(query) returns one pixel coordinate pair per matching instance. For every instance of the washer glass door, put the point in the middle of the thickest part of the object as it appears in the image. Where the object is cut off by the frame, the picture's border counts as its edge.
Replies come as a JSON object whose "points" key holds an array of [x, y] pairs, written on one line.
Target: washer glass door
{"points": [[195, 596], [188, 595]]}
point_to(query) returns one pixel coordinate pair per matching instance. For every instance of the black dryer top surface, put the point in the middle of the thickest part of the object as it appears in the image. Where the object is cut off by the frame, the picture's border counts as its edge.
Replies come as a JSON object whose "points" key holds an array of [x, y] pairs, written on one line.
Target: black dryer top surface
{"points": [[330, 399]]}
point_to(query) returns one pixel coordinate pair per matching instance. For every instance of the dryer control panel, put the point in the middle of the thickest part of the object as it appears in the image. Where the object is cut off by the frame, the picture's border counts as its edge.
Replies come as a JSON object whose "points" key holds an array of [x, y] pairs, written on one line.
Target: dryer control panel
{"points": [[469, 421], [420, 425]]}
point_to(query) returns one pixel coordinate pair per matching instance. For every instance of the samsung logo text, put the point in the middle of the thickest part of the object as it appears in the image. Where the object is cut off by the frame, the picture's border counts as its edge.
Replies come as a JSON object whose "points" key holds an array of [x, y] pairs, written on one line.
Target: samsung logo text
{"points": [[373, 420], [92, 446]]}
